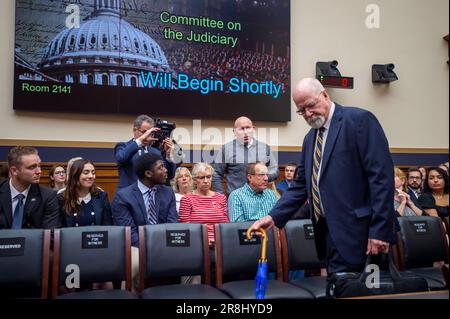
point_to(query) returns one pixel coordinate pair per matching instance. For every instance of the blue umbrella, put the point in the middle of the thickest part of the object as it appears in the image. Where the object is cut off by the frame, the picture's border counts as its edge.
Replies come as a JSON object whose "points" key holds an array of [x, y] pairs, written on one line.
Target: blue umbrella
{"points": [[261, 273]]}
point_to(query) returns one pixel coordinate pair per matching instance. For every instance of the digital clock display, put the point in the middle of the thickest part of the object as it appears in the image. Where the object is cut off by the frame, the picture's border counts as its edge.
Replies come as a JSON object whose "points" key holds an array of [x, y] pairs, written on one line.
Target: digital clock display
{"points": [[340, 82]]}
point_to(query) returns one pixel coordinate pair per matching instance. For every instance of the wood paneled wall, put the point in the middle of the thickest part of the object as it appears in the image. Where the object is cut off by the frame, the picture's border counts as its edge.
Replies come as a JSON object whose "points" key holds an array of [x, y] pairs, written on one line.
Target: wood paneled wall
{"points": [[107, 175]]}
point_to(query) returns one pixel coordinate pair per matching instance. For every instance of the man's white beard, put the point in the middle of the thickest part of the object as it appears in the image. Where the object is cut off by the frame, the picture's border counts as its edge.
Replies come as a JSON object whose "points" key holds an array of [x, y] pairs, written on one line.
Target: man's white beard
{"points": [[316, 122]]}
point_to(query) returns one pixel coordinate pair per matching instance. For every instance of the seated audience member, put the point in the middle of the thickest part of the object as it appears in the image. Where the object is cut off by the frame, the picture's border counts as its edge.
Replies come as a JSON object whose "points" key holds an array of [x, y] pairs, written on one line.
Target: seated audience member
{"points": [[68, 167], [289, 174], [444, 167], [403, 204], [254, 200], [3, 172], [424, 172], [57, 176], [23, 202], [146, 202], [203, 206], [181, 184], [126, 153], [434, 199], [82, 203], [233, 157], [414, 185]]}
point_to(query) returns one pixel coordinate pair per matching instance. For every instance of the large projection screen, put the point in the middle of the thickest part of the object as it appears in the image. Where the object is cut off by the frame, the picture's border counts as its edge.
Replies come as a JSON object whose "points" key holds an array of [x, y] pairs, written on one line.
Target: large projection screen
{"points": [[216, 59]]}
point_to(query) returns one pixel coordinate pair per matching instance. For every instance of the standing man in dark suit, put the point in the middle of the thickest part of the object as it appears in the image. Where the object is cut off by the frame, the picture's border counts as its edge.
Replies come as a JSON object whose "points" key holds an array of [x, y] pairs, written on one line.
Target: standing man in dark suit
{"points": [[126, 153], [346, 173], [23, 202]]}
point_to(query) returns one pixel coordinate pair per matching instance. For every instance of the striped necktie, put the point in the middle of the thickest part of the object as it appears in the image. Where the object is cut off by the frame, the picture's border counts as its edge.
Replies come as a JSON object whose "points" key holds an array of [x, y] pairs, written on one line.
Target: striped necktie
{"points": [[151, 213], [316, 166]]}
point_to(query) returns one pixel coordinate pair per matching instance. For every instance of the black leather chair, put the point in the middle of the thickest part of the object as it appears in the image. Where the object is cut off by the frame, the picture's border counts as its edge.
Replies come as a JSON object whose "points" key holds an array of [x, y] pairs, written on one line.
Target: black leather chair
{"points": [[236, 256], [174, 250], [24, 263], [421, 242], [101, 253], [299, 252], [445, 220]]}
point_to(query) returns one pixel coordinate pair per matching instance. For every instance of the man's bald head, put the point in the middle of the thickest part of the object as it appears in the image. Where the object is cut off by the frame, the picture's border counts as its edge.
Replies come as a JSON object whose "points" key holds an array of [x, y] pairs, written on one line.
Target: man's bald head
{"points": [[308, 86], [243, 129], [242, 120], [312, 101]]}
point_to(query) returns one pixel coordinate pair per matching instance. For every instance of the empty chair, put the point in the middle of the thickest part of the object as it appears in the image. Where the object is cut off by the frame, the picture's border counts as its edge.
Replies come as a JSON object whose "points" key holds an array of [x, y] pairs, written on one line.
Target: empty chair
{"points": [[24, 263], [235, 255], [92, 254], [174, 250], [299, 252], [422, 242]]}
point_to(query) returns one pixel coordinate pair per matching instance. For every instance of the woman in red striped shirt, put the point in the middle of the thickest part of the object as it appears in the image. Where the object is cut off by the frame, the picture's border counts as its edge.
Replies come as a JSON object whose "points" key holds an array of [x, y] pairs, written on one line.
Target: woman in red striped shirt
{"points": [[203, 206]]}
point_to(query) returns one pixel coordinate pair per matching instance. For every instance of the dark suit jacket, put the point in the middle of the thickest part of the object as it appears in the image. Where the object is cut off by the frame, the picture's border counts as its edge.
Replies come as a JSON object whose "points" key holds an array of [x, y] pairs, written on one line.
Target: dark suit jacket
{"points": [[102, 210], [356, 184], [128, 208], [41, 207], [413, 197], [282, 186], [126, 153]]}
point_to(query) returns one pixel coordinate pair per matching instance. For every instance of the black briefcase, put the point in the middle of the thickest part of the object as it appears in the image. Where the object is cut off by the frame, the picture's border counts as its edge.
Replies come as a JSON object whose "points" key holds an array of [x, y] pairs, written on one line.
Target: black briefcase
{"points": [[367, 283]]}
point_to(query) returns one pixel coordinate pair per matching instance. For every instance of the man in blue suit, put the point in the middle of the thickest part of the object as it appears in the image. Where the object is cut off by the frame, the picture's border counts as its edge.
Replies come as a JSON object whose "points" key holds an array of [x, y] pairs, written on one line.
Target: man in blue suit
{"points": [[126, 153], [289, 173], [346, 173], [23, 202], [148, 201]]}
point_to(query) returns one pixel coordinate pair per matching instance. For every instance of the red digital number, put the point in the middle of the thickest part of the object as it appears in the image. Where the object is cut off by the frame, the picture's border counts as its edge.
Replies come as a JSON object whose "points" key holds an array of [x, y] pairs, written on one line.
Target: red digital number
{"points": [[344, 82]]}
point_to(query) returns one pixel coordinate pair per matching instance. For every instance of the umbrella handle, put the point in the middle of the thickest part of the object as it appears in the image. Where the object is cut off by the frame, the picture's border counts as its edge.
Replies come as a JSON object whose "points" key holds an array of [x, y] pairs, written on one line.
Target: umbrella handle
{"points": [[263, 234]]}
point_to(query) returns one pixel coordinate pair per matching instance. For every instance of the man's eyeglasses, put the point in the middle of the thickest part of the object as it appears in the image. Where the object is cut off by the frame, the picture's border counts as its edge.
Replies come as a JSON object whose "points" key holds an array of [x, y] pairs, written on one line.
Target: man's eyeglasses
{"points": [[302, 110], [207, 177], [261, 175], [412, 178]]}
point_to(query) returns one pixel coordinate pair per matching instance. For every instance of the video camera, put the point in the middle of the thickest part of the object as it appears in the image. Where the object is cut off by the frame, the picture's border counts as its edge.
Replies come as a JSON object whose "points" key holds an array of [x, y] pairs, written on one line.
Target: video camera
{"points": [[166, 129]]}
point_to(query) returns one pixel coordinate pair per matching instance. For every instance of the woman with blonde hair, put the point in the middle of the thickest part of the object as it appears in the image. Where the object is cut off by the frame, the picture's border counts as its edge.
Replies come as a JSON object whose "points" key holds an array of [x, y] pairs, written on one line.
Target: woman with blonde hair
{"points": [[68, 167], [181, 184], [404, 206], [203, 205]]}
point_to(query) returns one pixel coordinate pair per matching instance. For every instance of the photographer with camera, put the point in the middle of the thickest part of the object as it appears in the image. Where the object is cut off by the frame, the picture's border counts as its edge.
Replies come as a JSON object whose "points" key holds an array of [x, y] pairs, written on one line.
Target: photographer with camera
{"points": [[148, 137]]}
